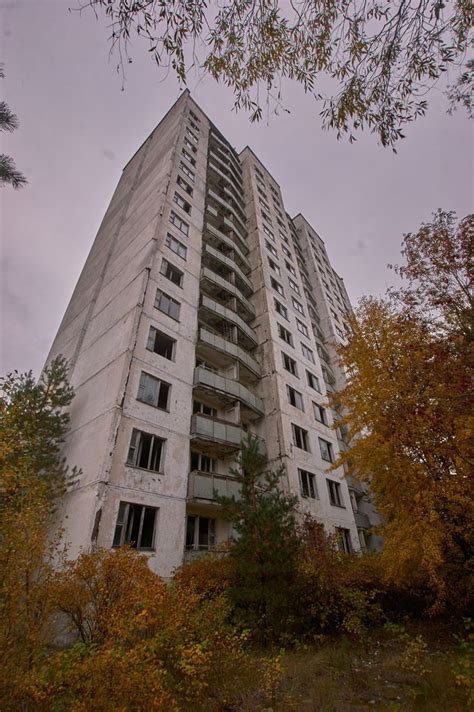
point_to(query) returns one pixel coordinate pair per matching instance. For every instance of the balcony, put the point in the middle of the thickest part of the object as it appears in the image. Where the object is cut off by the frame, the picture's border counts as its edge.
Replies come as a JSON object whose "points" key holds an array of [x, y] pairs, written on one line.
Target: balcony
{"points": [[362, 520], [226, 228], [219, 437], [229, 224], [221, 168], [214, 281], [228, 352], [225, 203], [205, 485], [214, 237], [228, 153], [219, 175], [245, 285], [215, 314], [227, 390]]}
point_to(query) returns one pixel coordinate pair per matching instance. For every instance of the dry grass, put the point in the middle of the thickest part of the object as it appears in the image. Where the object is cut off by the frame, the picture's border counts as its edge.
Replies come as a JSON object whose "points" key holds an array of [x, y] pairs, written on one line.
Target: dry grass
{"points": [[390, 670]]}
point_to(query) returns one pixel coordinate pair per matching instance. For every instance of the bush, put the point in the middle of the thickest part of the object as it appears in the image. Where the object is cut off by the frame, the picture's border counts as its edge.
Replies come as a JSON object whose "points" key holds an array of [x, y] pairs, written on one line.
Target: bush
{"points": [[143, 644]]}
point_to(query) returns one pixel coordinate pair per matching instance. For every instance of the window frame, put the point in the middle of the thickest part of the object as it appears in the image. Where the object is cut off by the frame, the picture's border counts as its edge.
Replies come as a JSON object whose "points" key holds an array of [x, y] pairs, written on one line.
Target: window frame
{"points": [[295, 397], [293, 363], [301, 434], [170, 272], [135, 446], [308, 484], [144, 377], [171, 300], [285, 335], [126, 526], [335, 493], [182, 248], [326, 447], [154, 337]]}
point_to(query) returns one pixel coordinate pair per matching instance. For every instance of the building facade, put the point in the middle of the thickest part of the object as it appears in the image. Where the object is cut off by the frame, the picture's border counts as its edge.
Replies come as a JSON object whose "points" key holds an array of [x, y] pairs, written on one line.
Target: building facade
{"points": [[203, 312]]}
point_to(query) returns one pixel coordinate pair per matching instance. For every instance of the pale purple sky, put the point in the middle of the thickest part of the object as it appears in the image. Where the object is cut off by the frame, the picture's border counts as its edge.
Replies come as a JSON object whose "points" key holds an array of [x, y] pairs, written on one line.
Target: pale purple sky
{"points": [[78, 129]]}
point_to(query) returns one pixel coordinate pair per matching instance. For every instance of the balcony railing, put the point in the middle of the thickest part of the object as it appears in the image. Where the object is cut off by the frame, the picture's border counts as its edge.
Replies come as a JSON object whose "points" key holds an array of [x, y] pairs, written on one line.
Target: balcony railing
{"points": [[232, 350], [362, 520], [232, 265], [229, 243], [230, 316], [226, 436], [205, 486], [222, 169], [228, 153], [222, 225], [227, 205], [222, 283], [228, 386]]}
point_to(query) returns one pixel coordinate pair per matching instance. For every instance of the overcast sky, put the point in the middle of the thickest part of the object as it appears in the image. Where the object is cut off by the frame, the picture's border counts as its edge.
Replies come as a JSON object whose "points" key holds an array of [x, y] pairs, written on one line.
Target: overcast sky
{"points": [[78, 129]]}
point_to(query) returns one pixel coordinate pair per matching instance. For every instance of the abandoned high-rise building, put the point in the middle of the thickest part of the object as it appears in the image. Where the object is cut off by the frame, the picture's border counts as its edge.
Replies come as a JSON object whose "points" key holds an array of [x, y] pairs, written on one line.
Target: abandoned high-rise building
{"points": [[203, 312]]}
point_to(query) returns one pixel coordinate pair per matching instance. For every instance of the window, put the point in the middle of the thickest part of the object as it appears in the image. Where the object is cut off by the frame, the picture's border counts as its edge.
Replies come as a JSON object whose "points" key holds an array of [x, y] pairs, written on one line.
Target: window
{"points": [[187, 171], [192, 136], [296, 304], [184, 185], [326, 450], [201, 462], [188, 157], [167, 304], [277, 286], [135, 526], [302, 328], [335, 315], [269, 233], [287, 252], [295, 398], [161, 344], [308, 484], [320, 413], [290, 268], [289, 364], [353, 498], [285, 335], [271, 249], [265, 215], [193, 116], [190, 144], [180, 224], [296, 289], [312, 381], [145, 451], [334, 489], [153, 391], [307, 353], [194, 126], [274, 266], [204, 409], [172, 273], [280, 309], [343, 537], [200, 533], [300, 437], [176, 246]]}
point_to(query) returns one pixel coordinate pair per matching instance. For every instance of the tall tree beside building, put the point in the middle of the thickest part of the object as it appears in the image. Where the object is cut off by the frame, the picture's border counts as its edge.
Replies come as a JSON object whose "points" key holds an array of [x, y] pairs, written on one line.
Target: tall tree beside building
{"points": [[33, 474], [409, 400], [266, 547]]}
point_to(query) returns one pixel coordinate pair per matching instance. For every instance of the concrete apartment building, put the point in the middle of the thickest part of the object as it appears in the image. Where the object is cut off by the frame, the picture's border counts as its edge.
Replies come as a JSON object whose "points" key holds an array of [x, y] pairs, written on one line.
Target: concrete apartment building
{"points": [[203, 312]]}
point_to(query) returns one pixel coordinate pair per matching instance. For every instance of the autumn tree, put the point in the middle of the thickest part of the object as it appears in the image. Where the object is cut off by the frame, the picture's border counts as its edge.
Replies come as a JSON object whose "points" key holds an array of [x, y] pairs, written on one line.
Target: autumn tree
{"points": [[368, 64], [9, 175], [33, 474], [408, 405], [266, 546]]}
